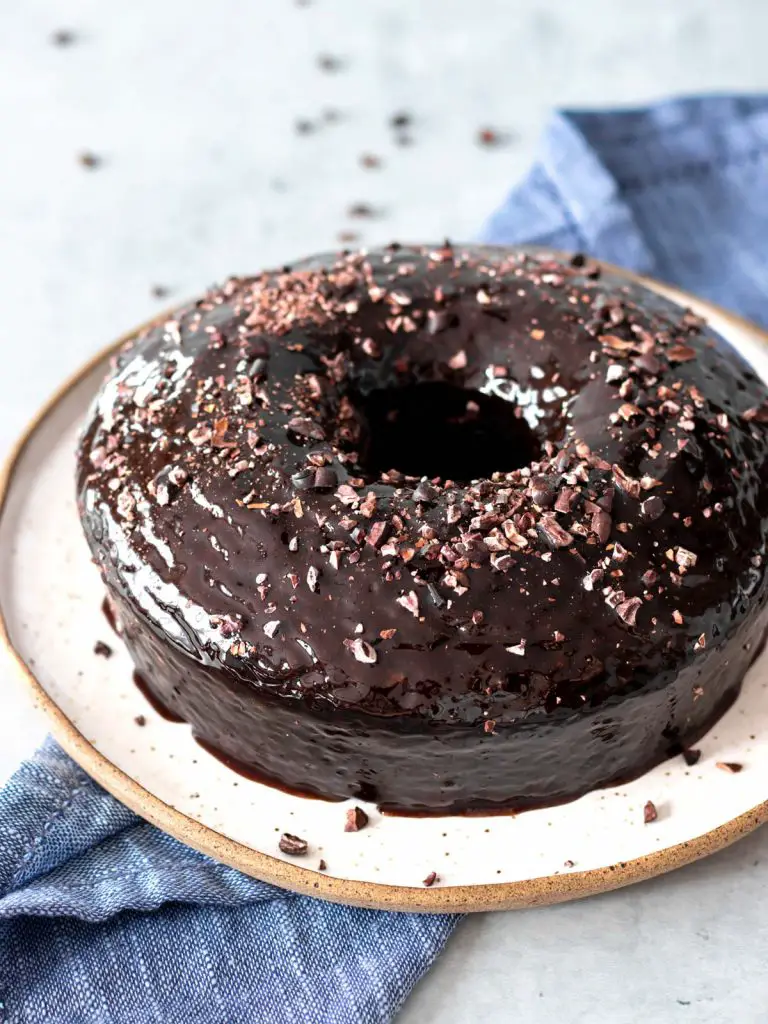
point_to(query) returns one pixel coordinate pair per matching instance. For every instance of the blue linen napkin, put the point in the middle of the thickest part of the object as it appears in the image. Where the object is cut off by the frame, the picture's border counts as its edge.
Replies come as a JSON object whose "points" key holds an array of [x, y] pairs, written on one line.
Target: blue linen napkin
{"points": [[677, 191]]}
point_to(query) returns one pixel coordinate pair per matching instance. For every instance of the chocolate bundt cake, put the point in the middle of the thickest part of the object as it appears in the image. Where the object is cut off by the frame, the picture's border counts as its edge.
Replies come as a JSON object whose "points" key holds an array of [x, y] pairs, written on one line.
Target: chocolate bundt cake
{"points": [[443, 528]]}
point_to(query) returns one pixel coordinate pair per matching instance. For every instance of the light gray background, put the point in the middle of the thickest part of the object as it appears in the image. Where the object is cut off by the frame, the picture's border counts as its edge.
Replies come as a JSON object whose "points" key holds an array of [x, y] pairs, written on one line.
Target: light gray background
{"points": [[192, 104]]}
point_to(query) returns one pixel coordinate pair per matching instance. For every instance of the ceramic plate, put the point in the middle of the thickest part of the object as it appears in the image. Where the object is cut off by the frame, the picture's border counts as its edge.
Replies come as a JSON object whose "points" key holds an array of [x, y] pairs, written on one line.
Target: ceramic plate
{"points": [[50, 599]]}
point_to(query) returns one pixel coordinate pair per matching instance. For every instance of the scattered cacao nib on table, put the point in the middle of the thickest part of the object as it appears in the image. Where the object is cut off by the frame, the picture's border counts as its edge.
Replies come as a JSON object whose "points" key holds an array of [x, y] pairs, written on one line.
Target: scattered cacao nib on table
{"points": [[732, 767], [63, 37], [431, 878], [91, 161], [401, 122], [491, 138], [102, 650]]}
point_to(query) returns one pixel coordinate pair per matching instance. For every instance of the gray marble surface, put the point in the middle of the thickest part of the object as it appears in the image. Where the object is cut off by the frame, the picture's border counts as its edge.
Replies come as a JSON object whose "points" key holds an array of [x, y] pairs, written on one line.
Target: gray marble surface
{"points": [[191, 107], [689, 947]]}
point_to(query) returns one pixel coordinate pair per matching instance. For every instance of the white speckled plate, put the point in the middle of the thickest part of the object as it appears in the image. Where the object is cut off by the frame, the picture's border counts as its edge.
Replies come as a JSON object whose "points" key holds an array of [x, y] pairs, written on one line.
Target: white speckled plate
{"points": [[50, 604]]}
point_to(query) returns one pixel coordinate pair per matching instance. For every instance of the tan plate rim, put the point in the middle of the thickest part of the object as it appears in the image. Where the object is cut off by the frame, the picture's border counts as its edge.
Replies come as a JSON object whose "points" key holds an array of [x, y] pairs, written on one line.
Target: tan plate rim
{"points": [[439, 899]]}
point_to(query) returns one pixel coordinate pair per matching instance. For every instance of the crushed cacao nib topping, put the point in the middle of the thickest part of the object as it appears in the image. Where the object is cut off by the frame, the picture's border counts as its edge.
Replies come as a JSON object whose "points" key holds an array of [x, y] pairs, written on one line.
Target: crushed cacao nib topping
{"points": [[600, 525], [652, 507], [410, 602], [756, 413], [592, 580], [227, 625], [685, 559], [554, 533], [425, 492], [362, 651], [628, 609]]}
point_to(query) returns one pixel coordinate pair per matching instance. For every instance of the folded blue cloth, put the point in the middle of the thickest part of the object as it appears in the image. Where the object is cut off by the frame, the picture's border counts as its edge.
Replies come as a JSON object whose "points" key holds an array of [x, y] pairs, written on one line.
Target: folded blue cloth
{"points": [[677, 191]]}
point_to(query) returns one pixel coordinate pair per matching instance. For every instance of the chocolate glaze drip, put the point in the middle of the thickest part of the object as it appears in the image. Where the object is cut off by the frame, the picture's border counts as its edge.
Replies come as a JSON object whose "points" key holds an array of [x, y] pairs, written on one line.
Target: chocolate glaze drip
{"points": [[444, 528]]}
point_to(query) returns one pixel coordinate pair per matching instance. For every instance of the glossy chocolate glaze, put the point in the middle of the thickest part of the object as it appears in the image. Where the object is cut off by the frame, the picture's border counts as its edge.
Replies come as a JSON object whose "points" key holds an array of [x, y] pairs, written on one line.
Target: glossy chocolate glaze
{"points": [[577, 588]]}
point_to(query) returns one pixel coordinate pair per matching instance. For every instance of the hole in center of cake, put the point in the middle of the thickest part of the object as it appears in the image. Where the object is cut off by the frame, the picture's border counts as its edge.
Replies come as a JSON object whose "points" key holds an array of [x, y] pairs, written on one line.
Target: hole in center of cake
{"points": [[436, 429]]}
